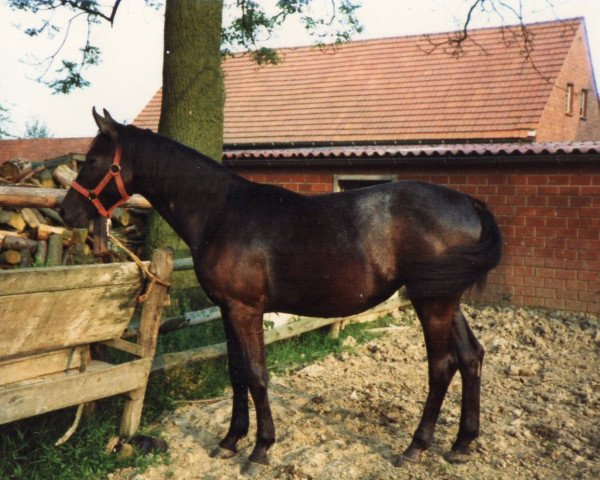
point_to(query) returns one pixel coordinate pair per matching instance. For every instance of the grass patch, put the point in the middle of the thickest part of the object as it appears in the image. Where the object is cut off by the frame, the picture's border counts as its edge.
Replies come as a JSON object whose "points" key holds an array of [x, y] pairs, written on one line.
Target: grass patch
{"points": [[27, 448]]}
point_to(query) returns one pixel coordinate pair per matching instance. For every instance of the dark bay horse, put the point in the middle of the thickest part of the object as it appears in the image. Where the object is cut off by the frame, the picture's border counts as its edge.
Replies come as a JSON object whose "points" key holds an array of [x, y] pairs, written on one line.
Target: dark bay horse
{"points": [[259, 248]]}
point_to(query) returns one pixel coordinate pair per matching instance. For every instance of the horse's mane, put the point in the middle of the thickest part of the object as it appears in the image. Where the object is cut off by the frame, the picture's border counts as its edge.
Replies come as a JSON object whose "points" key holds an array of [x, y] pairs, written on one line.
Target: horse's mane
{"points": [[145, 142]]}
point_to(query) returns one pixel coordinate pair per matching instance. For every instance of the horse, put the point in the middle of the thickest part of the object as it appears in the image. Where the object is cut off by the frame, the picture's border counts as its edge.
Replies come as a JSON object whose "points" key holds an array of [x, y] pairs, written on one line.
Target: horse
{"points": [[260, 248]]}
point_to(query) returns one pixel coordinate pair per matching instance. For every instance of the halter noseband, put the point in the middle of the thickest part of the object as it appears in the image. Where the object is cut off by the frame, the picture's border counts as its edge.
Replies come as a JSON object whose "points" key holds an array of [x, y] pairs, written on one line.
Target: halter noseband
{"points": [[114, 171]]}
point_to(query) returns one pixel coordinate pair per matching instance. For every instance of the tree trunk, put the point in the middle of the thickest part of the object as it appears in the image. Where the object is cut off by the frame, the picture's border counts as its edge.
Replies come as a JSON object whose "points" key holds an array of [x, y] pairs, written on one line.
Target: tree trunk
{"points": [[193, 98]]}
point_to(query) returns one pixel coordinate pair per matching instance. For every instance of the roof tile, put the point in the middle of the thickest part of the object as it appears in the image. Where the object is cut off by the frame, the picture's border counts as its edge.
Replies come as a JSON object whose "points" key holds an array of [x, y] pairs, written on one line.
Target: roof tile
{"points": [[390, 89]]}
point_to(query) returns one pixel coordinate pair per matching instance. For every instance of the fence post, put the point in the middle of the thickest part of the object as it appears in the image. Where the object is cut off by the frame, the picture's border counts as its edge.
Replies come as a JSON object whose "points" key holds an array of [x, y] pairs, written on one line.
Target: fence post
{"points": [[162, 267]]}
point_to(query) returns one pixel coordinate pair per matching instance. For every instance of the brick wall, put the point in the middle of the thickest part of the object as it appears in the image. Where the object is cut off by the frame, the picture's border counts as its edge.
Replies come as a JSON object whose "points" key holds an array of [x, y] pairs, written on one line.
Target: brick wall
{"points": [[549, 217]]}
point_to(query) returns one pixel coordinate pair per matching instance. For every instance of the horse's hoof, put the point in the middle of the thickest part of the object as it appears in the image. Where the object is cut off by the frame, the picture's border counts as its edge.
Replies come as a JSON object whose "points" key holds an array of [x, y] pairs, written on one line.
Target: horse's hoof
{"points": [[222, 453], [410, 455], [457, 457], [254, 469]]}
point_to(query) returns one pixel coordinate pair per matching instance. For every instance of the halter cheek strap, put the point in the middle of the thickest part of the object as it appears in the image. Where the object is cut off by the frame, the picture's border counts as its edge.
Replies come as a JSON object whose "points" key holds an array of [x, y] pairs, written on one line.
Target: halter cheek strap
{"points": [[114, 172]]}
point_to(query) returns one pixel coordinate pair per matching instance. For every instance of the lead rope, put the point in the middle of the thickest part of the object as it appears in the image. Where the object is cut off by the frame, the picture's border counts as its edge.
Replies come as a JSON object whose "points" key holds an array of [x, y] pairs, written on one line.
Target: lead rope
{"points": [[153, 278]]}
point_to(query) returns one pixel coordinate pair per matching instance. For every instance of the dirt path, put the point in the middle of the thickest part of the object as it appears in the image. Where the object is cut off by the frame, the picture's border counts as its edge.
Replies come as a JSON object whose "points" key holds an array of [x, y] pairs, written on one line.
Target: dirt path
{"points": [[347, 416]]}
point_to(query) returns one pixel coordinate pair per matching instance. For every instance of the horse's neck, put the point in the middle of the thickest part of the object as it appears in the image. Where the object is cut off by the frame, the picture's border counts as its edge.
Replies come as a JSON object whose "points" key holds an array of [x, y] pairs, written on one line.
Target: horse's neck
{"points": [[186, 192]]}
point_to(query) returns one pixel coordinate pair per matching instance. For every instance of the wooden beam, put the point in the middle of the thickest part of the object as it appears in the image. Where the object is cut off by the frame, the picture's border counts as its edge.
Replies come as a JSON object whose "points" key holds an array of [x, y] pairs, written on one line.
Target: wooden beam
{"points": [[50, 197], [35, 280], [98, 381], [26, 368], [124, 346]]}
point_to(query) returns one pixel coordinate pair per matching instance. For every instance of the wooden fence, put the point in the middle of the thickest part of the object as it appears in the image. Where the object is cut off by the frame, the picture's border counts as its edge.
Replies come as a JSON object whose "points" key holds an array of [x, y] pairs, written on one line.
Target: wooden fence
{"points": [[293, 326]]}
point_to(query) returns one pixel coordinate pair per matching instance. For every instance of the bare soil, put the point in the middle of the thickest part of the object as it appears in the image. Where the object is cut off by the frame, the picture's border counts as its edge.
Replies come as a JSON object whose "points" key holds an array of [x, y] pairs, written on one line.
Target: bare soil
{"points": [[349, 415]]}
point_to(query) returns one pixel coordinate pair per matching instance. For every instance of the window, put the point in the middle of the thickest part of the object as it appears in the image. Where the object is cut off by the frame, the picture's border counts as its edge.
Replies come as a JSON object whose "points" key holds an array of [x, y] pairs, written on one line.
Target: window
{"points": [[583, 104], [569, 99], [350, 182]]}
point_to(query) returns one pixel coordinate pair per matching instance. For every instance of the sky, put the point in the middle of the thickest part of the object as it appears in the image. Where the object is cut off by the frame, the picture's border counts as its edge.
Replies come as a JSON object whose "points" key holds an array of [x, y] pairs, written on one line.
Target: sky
{"points": [[131, 67]]}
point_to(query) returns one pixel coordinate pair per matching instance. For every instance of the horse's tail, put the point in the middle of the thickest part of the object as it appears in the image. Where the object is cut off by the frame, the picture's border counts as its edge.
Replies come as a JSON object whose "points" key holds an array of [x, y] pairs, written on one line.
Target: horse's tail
{"points": [[459, 268]]}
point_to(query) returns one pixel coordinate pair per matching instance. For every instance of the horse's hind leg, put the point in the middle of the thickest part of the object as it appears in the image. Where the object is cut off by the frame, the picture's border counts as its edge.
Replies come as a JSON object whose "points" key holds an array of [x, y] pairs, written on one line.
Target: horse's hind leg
{"points": [[436, 317], [469, 353]]}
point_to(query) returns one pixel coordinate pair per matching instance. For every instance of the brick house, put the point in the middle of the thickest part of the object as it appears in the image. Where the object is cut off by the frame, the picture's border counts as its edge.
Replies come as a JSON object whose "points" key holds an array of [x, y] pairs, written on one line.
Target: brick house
{"points": [[42, 149], [521, 133], [482, 123]]}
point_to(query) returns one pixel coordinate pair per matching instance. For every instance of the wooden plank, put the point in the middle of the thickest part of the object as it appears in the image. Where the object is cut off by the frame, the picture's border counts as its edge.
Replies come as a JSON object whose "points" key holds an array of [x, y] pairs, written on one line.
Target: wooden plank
{"points": [[33, 280], [98, 381], [51, 197], [124, 346], [20, 369], [43, 321]]}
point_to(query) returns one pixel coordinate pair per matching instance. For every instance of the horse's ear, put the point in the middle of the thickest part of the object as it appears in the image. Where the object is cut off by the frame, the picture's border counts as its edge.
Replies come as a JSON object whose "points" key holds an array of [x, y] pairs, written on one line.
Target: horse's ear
{"points": [[106, 124], [108, 116]]}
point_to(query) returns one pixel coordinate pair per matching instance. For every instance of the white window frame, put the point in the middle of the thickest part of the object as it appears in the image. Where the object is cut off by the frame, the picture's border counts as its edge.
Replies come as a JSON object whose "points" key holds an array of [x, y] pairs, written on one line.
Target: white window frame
{"points": [[569, 99], [338, 180], [583, 104]]}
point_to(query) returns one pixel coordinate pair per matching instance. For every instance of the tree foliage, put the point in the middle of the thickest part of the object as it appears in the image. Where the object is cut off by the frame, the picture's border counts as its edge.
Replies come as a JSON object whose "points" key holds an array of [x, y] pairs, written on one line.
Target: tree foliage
{"points": [[248, 25], [36, 129], [4, 119]]}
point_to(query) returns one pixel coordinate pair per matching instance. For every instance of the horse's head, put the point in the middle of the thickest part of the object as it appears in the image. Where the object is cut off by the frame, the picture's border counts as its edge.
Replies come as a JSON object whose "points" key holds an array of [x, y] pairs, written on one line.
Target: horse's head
{"points": [[103, 180]]}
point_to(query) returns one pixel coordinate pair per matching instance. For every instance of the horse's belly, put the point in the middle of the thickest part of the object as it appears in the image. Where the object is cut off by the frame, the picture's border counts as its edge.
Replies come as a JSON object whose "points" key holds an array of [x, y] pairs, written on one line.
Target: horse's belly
{"points": [[329, 295]]}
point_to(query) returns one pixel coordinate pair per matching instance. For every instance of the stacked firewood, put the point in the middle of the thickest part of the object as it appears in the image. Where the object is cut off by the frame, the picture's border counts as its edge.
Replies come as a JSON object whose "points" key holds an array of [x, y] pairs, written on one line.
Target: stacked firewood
{"points": [[31, 236]]}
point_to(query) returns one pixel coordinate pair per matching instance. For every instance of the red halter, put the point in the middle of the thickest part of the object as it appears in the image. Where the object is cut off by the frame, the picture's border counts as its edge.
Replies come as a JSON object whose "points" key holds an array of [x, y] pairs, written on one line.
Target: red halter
{"points": [[114, 171]]}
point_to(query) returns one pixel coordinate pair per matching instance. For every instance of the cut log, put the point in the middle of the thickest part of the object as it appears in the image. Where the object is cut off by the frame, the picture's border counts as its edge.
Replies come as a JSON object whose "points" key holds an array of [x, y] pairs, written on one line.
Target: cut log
{"points": [[79, 236], [10, 257], [52, 215], [50, 197], [13, 219], [19, 243], [25, 258], [14, 169], [30, 173], [31, 219], [54, 256], [64, 176], [121, 216], [46, 180], [41, 253], [9, 233], [82, 249], [44, 232]]}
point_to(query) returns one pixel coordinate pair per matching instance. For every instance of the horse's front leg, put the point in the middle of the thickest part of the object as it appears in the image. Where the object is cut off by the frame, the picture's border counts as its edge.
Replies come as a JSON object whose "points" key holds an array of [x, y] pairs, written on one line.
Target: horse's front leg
{"points": [[246, 326], [238, 427]]}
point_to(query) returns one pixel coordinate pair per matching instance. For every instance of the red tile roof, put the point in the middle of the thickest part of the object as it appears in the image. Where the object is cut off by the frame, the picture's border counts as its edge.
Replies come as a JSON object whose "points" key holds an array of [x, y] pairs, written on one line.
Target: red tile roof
{"points": [[389, 89], [41, 149]]}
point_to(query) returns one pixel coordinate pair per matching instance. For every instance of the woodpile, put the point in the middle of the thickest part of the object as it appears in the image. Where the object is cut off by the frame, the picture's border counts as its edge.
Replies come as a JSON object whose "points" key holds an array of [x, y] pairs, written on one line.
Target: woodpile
{"points": [[37, 236]]}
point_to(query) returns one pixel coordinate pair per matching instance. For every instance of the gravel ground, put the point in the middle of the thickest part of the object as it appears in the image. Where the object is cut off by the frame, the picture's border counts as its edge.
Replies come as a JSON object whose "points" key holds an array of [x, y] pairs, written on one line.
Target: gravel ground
{"points": [[347, 416]]}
